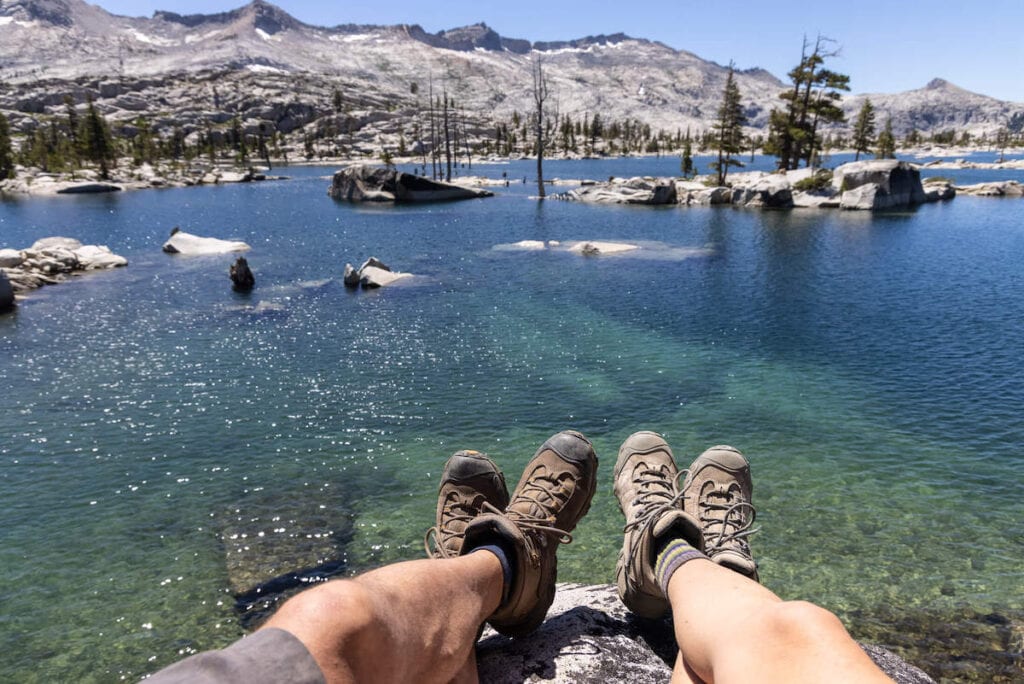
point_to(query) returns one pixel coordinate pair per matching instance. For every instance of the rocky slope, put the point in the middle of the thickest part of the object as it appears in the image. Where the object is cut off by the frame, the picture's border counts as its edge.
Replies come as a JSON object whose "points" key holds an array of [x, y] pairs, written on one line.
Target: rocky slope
{"points": [[264, 66]]}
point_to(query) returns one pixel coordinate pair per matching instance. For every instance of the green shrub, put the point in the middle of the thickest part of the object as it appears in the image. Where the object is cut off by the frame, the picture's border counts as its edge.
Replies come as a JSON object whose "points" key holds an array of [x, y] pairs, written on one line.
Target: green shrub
{"points": [[820, 180]]}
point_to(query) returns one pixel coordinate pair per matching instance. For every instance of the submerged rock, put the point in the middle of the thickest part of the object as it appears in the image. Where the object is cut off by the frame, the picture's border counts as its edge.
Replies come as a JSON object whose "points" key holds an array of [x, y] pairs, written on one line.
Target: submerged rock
{"points": [[993, 189], [601, 248], [274, 546], [589, 636], [364, 183], [187, 244]]}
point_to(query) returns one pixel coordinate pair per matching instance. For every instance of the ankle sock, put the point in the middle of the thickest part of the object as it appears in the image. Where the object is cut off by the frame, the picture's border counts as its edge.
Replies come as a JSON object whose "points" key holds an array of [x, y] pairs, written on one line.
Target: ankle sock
{"points": [[671, 554], [506, 566]]}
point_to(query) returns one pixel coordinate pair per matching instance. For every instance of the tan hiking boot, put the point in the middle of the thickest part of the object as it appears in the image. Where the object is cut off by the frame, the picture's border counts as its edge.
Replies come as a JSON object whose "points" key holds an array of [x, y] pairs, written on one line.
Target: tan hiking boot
{"points": [[552, 496], [718, 493], [469, 481], [645, 483]]}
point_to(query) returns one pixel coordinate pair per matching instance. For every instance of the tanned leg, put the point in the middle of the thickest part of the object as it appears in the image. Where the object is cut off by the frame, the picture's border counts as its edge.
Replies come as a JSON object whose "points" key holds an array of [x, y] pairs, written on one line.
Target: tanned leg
{"points": [[415, 621], [732, 629]]}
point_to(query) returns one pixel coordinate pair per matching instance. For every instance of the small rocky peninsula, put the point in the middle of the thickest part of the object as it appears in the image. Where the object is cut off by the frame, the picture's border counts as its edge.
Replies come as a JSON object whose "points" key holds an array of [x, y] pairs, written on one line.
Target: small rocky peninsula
{"points": [[864, 185], [48, 262]]}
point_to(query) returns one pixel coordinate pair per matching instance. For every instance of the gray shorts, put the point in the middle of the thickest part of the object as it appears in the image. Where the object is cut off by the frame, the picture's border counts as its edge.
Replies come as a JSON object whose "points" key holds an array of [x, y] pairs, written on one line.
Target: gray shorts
{"points": [[269, 655]]}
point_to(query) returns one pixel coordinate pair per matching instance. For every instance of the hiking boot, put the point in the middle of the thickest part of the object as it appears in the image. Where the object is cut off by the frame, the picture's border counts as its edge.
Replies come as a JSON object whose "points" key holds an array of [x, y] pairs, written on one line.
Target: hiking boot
{"points": [[469, 481], [718, 493], [553, 494], [646, 485]]}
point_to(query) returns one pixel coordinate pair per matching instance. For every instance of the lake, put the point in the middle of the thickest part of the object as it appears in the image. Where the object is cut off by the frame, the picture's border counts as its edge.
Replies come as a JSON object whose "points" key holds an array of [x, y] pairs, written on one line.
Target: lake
{"points": [[869, 365]]}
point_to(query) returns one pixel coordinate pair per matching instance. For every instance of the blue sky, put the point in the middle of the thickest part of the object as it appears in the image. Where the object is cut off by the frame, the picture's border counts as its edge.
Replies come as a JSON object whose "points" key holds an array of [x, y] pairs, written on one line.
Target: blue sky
{"points": [[887, 46]]}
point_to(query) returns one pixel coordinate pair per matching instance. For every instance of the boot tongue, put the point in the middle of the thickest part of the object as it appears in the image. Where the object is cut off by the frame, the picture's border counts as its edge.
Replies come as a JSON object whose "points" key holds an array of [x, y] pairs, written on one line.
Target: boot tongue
{"points": [[679, 524]]}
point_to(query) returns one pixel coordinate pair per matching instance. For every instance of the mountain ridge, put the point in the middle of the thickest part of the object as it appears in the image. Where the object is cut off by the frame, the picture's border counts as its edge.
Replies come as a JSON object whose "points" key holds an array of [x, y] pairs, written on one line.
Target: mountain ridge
{"points": [[65, 41]]}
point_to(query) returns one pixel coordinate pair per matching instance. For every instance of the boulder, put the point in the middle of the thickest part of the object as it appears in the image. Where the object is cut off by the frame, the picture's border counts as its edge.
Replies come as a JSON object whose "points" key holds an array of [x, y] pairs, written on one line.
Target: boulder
{"points": [[936, 191], [10, 258], [372, 277], [187, 244], [589, 636], [351, 277], [773, 191], [242, 279], [631, 191], [372, 274], [6, 294], [54, 242], [878, 184], [364, 183], [816, 199], [712, 196], [87, 188], [96, 257]]}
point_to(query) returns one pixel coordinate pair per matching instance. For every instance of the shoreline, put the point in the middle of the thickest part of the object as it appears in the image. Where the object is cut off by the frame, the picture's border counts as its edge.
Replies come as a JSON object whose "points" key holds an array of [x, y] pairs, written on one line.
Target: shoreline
{"points": [[29, 182]]}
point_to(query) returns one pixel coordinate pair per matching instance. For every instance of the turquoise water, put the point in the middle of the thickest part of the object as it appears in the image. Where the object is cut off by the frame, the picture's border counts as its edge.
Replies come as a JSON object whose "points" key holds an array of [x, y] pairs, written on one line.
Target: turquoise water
{"points": [[868, 365]]}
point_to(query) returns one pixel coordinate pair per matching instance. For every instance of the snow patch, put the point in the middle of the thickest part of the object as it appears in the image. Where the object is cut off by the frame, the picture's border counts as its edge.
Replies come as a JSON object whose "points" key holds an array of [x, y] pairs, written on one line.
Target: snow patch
{"points": [[264, 69], [354, 38], [570, 50], [266, 36], [4, 21], [152, 40], [205, 36]]}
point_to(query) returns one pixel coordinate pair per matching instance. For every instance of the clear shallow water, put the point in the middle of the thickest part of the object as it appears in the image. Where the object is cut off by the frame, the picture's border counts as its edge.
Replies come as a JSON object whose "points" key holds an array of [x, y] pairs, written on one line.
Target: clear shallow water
{"points": [[869, 366]]}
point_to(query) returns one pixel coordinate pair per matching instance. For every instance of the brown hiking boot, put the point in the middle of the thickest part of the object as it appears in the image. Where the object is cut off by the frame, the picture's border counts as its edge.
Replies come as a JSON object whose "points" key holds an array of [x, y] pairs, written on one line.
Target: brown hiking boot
{"points": [[718, 493], [646, 485], [469, 481], [552, 496]]}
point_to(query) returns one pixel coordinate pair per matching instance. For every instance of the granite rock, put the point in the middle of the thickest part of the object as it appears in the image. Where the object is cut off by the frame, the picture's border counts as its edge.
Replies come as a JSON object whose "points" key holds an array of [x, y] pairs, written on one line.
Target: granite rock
{"points": [[638, 190], [365, 183], [6, 294], [187, 244], [589, 636], [878, 184]]}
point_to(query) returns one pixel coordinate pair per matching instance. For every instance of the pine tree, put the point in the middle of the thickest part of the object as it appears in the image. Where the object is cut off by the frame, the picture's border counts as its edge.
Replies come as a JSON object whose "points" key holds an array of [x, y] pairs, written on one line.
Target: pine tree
{"points": [[864, 129], [793, 132], [97, 143], [886, 142], [686, 163], [6, 153], [729, 128]]}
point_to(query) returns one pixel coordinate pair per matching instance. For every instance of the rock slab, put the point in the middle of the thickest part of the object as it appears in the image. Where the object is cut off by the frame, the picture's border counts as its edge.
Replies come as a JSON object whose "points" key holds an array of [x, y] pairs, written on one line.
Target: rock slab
{"points": [[589, 636], [188, 244], [365, 183], [372, 274]]}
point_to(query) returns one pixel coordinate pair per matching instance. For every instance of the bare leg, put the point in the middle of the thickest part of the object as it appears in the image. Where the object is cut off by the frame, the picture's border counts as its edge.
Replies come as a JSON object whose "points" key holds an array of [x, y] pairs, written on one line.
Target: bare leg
{"points": [[415, 621], [732, 629]]}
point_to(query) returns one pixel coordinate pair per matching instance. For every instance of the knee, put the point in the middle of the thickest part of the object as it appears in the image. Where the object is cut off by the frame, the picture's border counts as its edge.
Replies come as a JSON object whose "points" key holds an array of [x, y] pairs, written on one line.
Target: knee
{"points": [[802, 621], [342, 607]]}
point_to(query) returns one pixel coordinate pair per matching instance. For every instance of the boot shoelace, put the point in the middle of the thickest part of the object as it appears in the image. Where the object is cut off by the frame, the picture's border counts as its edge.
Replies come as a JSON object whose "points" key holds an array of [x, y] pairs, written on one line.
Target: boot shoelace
{"points": [[734, 520]]}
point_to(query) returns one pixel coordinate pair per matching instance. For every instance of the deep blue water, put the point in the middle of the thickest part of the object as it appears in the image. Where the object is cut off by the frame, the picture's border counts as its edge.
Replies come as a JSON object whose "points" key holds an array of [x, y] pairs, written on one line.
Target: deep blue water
{"points": [[868, 365]]}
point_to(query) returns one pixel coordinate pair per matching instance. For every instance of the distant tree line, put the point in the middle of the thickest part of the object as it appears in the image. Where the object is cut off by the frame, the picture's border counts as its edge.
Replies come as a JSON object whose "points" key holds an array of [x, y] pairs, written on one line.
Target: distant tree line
{"points": [[436, 130]]}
